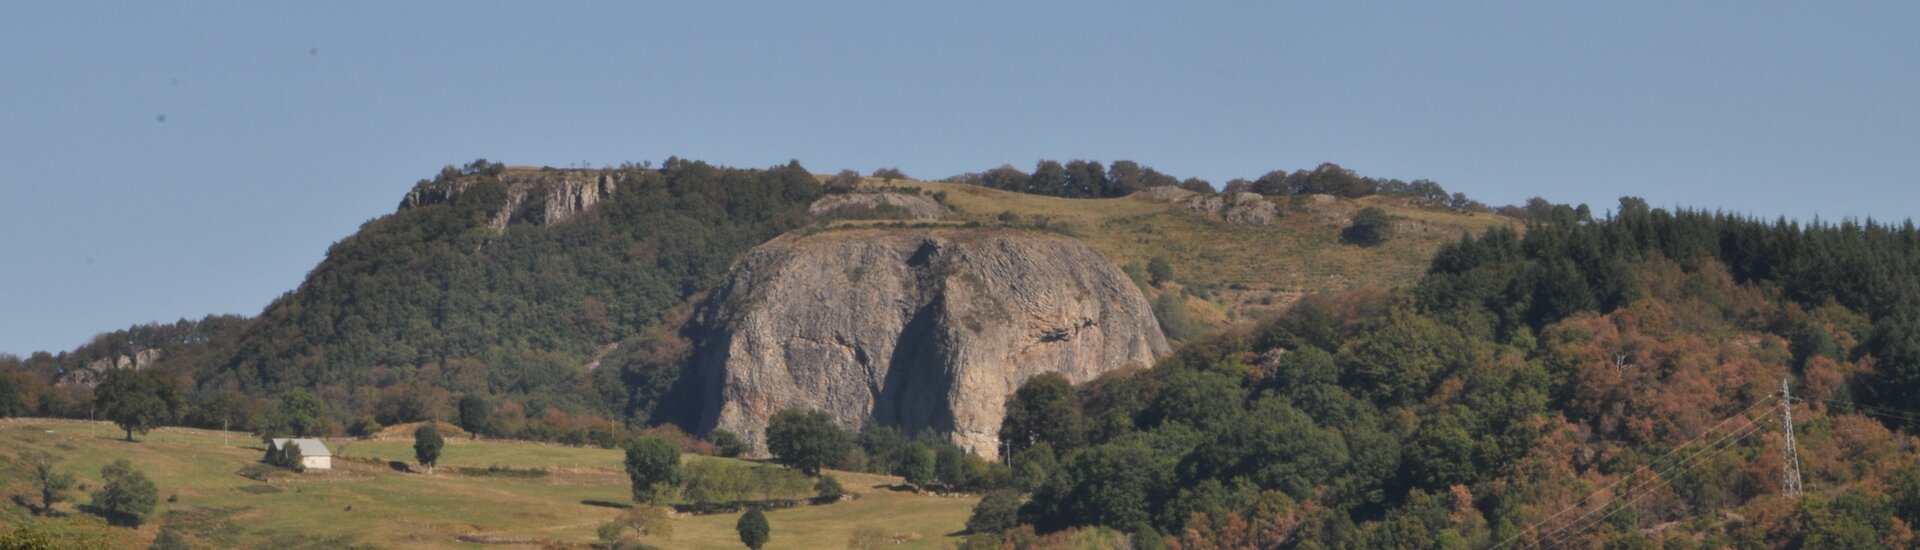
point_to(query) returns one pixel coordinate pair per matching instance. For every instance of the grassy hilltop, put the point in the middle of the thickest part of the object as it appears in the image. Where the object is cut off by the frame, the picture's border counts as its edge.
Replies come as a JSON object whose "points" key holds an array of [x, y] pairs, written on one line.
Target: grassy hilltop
{"points": [[1236, 272], [365, 503]]}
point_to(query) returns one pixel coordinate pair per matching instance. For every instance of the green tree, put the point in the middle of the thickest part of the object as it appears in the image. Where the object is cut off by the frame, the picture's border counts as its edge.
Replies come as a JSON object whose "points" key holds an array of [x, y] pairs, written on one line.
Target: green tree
{"points": [[298, 413], [131, 399], [1035, 467], [51, 483], [1049, 178], [1159, 271], [475, 414], [997, 512], [427, 444], [1905, 492], [726, 443], [126, 495], [653, 465], [1371, 227], [949, 466], [293, 458], [753, 529], [807, 440], [829, 487], [846, 180], [1043, 410], [918, 467]]}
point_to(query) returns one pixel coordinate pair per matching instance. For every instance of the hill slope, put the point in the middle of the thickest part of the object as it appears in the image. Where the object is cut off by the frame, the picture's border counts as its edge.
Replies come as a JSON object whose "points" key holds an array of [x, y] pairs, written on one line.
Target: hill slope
{"points": [[370, 503]]}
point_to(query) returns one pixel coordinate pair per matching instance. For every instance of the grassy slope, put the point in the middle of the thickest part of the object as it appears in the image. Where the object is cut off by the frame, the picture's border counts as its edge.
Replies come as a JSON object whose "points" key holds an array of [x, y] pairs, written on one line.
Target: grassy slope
{"points": [[392, 509], [1300, 253]]}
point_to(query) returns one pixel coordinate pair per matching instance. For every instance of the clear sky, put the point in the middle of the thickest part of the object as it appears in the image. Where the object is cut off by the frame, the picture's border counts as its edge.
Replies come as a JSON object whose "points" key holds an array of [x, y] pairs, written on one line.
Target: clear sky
{"points": [[166, 161]]}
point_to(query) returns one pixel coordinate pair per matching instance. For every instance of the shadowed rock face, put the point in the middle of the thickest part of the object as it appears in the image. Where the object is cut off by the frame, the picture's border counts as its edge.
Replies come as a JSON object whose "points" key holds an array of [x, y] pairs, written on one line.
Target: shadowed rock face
{"points": [[929, 329]]}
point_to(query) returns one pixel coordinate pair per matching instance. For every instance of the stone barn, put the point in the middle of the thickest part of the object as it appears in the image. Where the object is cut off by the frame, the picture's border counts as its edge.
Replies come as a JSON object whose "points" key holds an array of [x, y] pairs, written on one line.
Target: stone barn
{"points": [[313, 454]]}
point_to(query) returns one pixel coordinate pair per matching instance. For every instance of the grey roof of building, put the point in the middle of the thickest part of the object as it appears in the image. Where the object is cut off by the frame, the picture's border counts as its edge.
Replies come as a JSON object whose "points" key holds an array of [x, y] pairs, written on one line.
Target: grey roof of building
{"points": [[308, 446]]}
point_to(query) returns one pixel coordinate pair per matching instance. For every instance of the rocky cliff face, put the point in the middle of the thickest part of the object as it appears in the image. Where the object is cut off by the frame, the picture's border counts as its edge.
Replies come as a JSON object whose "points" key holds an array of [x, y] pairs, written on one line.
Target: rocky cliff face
{"points": [[925, 329], [542, 197], [95, 371], [912, 206]]}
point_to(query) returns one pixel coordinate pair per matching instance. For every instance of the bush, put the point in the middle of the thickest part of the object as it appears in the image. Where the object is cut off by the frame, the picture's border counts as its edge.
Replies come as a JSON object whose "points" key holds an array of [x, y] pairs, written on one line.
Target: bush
{"points": [[998, 512], [1371, 227], [715, 481], [829, 488], [364, 427], [753, 529], [127, 497], [843, 182], [726, 443], [1159, 270]]}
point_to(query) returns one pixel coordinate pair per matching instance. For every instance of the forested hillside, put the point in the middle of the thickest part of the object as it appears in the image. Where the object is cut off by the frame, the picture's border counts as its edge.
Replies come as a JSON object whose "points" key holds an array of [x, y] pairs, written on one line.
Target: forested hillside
{"points": [[1608, 383]]}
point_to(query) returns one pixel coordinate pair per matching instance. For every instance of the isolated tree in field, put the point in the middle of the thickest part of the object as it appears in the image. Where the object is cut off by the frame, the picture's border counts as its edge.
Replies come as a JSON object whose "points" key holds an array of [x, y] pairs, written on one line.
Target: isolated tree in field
{"points": [[475, 412], [753, 529], [426, 445], [127, 496], [1159, 271], [807, 440], [653, 466], [1371, 227], [52, 483], [131, 399]]}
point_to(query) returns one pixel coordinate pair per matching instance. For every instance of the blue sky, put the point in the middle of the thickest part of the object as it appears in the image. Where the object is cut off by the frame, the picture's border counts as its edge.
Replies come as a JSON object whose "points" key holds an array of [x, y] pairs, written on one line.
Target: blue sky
{"points": [[167, 161]]}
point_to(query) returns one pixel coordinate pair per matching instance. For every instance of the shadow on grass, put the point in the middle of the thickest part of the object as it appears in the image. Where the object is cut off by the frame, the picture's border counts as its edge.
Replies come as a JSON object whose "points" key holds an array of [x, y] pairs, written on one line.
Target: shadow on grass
{"points": [[607, 504]]}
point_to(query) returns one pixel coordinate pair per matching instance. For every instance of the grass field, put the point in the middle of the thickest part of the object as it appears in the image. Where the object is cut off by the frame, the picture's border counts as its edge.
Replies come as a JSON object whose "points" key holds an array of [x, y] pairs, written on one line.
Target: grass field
{"points": [[373, 505], [1252, 270]]}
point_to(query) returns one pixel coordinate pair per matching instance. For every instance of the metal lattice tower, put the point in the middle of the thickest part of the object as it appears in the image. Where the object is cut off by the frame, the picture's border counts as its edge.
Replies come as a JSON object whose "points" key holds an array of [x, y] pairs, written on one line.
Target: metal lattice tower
{"points": [[1790, 476]]}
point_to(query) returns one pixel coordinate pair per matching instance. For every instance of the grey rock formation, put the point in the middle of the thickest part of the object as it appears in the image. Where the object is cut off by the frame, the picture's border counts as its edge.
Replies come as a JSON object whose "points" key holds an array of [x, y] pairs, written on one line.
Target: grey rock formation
{"points": [[90, 375], [921, 329], [917, 206], [1244, 208], [542, 197]]}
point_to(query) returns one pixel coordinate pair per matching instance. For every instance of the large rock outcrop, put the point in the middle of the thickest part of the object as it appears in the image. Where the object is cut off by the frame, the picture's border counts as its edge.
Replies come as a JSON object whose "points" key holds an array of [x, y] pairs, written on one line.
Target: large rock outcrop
{"points": [[923, 329], [913, 206], [96, 370], [1239, 207], [542, 197]]}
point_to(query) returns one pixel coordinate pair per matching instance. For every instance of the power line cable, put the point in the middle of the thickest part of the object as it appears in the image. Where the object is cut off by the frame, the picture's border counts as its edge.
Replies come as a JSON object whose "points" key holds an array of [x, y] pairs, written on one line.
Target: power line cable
{"points": [[1659, 478], [1703, 434]]}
